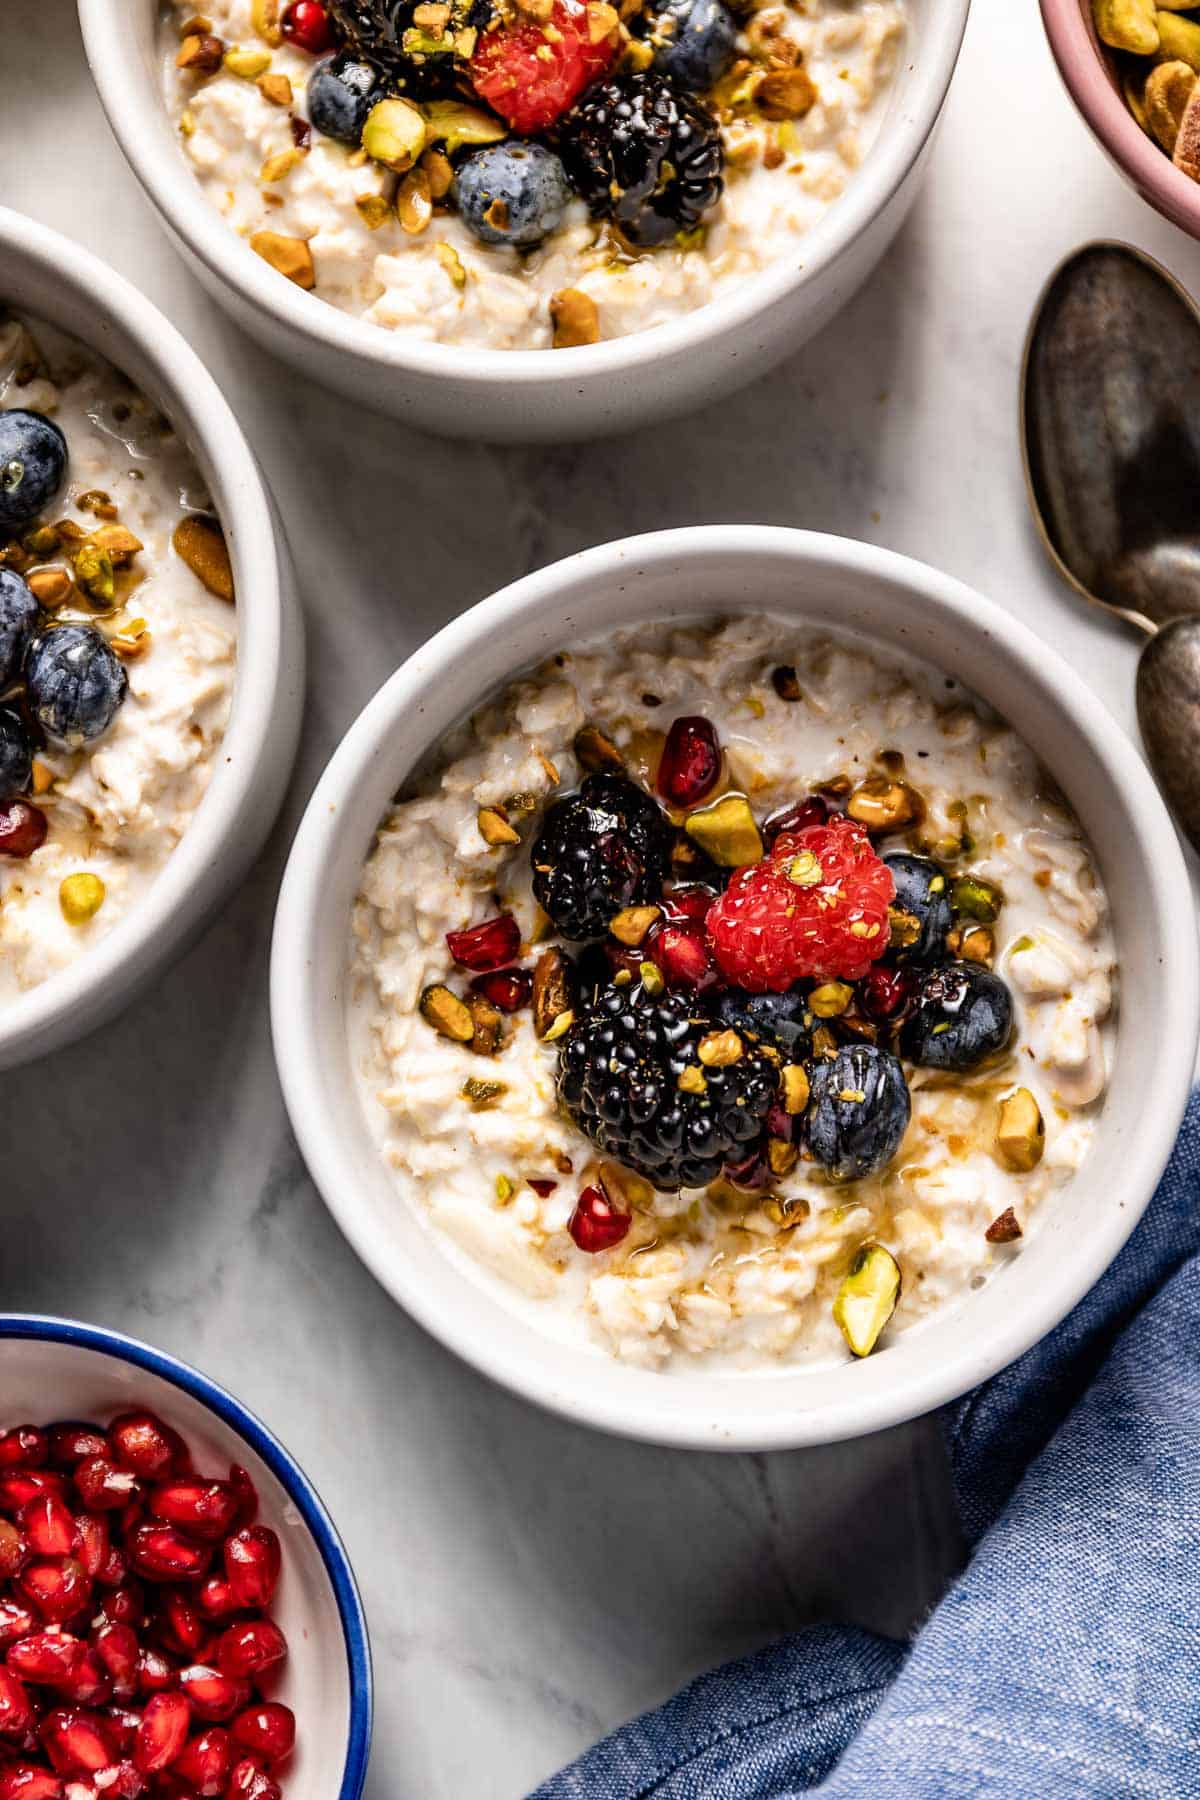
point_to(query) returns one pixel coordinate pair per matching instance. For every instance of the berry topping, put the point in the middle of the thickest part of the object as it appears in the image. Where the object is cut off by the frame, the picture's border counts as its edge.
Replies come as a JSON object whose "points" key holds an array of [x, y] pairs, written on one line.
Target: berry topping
{"points": [[22, 828], [340, 94], [681, 952], [783, 1020], [695, 40], [643, 1080], [885, 993], [596, 1224], [530, 72], [33, 466], [306, 23], [646, 155], [812, 811], [921, 909], [486, 946], [509, 989], [815, 909], [690, 764], [858, 1111], [19, 615], [16, 754], [962, 1014], [76, 683], [512, 193], [599, 850]]}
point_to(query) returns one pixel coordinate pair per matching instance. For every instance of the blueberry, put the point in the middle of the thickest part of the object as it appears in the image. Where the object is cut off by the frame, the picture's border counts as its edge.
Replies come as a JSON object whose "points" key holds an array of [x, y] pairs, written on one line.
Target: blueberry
{"points": [[340, 94], [18, 616], [962, 1014], [697, 40], [858, 1111], [76, 683], [923, 891], [16, 755], [33, 466], [777, 1019], [512, 193]]}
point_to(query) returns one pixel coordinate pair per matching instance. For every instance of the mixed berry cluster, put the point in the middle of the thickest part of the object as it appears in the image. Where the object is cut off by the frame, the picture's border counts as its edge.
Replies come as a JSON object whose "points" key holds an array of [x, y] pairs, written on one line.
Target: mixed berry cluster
{"points": [[134, 1634], [532, 102], [737, 995]]}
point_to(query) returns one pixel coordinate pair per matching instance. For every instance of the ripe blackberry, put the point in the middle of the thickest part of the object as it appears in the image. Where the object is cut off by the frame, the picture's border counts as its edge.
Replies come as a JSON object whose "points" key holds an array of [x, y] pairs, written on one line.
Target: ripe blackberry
{"points": [[619, 1073], [599, 849], [375, 30], [645, 154]]}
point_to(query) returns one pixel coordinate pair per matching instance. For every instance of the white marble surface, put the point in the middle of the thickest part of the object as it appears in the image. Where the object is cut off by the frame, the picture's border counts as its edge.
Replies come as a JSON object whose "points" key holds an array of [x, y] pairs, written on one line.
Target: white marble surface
{"points": [[529, 1584]]}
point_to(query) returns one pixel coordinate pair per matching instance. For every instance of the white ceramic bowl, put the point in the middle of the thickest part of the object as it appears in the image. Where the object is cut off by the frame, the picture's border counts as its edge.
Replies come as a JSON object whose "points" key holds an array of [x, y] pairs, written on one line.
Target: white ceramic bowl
{"points": [[528, 395], [51, 277], [897, 603], [55, 1369]]}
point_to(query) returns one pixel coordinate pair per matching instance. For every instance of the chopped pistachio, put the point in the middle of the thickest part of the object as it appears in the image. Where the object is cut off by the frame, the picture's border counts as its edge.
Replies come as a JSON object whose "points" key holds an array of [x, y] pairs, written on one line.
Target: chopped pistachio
{"points": [[395, 134], [80, 897], [904, 928], [414, 203], [447, 1014], [603, 20], [782, 1156], [632, 923], [451, 123], [727, 832], [575, 318], [786, 94], [787, 1214], [977, 944], [440, 172], [94, 574], [43, 777], [805, 871], [830, 1000], [560, 1027], [481, 1093], [200, 55], [974, 898], [290, 256], [881, 804], [264, 16], [867, 1298], [279, 165], [596, 751], [276, 89], [795, 1088], [494, 827], [1021, 1131], [488, 1023], [451, 262], [201, 543], [720, 1049], [505, 1189], [652, 979], [118, 542], [373, 210], [551, 991], [692, 1080], [49, 587], [1004, 1230], [43, 541], [248, 65]]}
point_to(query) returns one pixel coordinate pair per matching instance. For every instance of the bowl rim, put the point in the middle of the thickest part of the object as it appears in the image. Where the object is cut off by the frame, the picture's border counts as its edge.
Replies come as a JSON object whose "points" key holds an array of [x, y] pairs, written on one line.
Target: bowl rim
{"points": [[47, 1328], [265, 621], [298, 1000], [228, 260], [1082, 64]]}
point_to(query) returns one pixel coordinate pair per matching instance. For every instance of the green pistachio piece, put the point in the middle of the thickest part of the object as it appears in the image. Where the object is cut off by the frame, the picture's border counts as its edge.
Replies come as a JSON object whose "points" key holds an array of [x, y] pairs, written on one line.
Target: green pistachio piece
{"points": [[451, 123], [1021, 1131], [867, 1298], [394, 134], [973, 898], [727, 832]]}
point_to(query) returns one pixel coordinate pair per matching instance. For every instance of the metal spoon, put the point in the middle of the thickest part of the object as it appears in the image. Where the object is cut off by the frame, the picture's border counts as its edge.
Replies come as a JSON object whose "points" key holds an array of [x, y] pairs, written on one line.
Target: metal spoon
{"points": [[1110, 434]]}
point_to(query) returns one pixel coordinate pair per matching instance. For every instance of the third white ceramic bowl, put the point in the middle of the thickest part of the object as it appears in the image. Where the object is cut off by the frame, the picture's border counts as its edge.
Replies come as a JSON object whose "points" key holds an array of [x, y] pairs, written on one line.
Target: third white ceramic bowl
{"points": [[529, 395], [898, 604]]}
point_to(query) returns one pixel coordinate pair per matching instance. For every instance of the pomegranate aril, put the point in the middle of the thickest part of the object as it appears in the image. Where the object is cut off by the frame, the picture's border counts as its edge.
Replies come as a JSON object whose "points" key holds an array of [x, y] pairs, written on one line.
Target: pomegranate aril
{"points": [[508, 989], [682, 953], [47, 1658], [206, 1761], [76, 1742], [90, 1684], [178, 1624], [212, 1694], [780, 1124], [813, 811], [267, 1730], [102, 1486], [306, 24], [884, 993], [247, 1651], [22, 828], [147, 1446], [125, 1605], [48, 1526], [16, 1711], [122, 1723], [162, 1733], [24, 1447], [155, 1673], [23, 1782], [247, 1494], [690, 766], [114, 1570], [751, 1173], [73, 1444], [14, 1551], [252, 1565], [684, 903], [487, 946], [162, 1553], [117, 1648], [204, 1509], [541, 1185], [19, 1486], [92, 1546], [249, 1781], [215, 1598], [596, 1224], [57, 1586], [122, 1782]]}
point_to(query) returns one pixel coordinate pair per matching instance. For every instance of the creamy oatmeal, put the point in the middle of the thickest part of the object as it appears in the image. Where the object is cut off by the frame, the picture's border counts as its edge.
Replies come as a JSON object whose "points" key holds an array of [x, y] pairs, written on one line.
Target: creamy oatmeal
{"points": [[117, 649], [912, 1097], [593, 228]]}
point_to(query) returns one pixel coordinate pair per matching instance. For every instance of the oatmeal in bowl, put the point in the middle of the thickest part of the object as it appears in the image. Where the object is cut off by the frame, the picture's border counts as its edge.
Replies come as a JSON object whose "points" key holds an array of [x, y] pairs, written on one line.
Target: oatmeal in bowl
{"points": [[717, 978]]}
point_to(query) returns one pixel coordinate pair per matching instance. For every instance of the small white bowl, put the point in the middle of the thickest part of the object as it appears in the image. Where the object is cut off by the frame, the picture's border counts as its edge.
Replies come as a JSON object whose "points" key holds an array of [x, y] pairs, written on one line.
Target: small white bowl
{"points": [[525, 396], [47, 275], [681, 575], [55, 1369]]}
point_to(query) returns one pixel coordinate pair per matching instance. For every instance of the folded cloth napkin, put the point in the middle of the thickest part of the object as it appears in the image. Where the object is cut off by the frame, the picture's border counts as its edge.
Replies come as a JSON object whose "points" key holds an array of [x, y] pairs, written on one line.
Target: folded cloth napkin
{"points": [[1065, 1661]]}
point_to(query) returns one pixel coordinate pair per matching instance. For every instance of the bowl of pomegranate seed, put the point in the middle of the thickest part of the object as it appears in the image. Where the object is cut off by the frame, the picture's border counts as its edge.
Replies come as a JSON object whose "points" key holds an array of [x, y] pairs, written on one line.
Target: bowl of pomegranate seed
{"points": [[716, 977], [177, 1613], [537, 220]]}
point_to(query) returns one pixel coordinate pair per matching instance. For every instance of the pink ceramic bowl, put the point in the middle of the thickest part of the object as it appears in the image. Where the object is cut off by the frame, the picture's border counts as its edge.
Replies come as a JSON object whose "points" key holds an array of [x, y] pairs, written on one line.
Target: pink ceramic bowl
{"points": [[1088, 68]]}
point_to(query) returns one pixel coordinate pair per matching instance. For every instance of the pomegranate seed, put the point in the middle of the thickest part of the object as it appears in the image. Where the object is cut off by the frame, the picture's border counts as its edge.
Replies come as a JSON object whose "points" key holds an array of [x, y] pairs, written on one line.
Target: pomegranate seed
{"points": [[249, 1782], [682, 953], [252, 1564], [16, 1621], [487, 946], [24, 1447], [623, 956], [23, 1782], [76, 1742], [16, 1713], [752, 1173], [306, 24], [247, 1494], [179, 1625], [22, 828], [57, 1586], [123, 1725], [162, 1733], [114, 1570], [72, 1444], [206, 1762], [509, 989], [21, 1486], [126, 1605], [813, 811], [216, 1598], [886, 993], [117, 1648], [123, 1781], [93, 1547], [147, 1446], [204, 1509], [596, 1224], [541, 1186], [91, 1684], [155, 1674], [212, 1694], [685, 903], [780, 1124], [267, 1730], [691, 762], [14, 1551], [48, 1526], [248, 1651], [48, 1658], [162, 1553], [102, 1486]]}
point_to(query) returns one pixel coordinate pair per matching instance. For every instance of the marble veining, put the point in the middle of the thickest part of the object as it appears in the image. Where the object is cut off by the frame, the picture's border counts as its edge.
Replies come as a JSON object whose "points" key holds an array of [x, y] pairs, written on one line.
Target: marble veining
{"points": [[529, 1584]]}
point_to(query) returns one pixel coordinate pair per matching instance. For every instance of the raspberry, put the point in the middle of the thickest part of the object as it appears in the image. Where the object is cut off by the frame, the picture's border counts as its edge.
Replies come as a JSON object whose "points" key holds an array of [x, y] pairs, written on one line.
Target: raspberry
{"points": [[513, 73], [815, 909]]}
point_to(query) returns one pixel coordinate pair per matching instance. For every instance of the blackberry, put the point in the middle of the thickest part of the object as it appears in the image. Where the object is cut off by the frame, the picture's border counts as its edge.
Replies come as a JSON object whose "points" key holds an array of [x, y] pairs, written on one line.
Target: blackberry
{"points": [[619, 1074], [599, 849], [376, 31], [645, 154]]}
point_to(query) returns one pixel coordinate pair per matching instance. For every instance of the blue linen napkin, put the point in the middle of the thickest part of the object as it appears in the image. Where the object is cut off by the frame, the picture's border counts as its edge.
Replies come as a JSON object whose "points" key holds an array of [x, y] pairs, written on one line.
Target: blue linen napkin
{"points": [[1065, 1661]]}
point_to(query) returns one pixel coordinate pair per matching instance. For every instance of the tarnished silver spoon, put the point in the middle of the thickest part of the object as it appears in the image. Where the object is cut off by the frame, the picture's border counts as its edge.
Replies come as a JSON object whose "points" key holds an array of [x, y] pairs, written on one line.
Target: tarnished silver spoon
{"points": [[1110, 433]]}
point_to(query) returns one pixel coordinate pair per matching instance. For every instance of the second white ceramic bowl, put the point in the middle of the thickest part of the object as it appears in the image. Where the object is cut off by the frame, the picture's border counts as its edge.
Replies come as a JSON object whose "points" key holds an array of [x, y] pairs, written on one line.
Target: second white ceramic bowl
{"points": [[50, 277], [898, 604], [529, 395]]}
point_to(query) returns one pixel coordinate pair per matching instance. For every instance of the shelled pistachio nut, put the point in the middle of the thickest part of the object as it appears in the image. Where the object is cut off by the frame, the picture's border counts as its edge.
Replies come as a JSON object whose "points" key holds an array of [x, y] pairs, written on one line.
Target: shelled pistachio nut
{"points": [[867, 1298]]}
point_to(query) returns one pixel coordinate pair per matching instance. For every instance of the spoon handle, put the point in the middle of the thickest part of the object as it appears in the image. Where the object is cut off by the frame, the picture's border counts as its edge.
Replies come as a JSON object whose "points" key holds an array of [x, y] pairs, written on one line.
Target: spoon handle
{"points": [[1168, 706]]}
